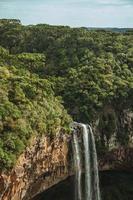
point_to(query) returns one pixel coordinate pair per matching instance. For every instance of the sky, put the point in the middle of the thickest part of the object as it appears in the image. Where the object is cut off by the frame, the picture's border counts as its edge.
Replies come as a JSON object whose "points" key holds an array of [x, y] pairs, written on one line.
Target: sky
{"points": [[75, 13]]}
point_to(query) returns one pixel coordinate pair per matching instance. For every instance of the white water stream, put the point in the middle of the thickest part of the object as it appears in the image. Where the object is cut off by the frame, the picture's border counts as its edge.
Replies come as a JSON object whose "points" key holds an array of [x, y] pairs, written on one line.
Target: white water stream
{"points": [[92, 190]]}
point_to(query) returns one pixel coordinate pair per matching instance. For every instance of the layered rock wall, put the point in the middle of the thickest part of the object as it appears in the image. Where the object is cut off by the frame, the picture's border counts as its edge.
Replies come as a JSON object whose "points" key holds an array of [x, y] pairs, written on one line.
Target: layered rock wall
{"points": [[43, 164]]}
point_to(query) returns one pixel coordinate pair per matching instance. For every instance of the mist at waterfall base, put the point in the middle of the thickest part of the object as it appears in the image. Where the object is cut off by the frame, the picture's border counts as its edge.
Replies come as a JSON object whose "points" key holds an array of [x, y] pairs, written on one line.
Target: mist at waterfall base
{"points": [[85, 184]]}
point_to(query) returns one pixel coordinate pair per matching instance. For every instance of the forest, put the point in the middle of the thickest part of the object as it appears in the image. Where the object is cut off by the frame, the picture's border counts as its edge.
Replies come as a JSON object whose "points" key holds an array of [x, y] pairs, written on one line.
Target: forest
{"points": [[59, 74]]}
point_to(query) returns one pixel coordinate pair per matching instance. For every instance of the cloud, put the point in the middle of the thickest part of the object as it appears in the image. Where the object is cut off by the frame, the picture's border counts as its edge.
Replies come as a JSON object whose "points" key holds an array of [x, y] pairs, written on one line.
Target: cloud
{"points": [[115, 2], [101, 2], [116, 13]]}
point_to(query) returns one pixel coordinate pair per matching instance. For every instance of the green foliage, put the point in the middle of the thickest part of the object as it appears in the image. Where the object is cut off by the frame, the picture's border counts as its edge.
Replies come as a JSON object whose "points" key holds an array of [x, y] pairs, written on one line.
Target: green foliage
{"points": [[27, 107], [88, 69]]}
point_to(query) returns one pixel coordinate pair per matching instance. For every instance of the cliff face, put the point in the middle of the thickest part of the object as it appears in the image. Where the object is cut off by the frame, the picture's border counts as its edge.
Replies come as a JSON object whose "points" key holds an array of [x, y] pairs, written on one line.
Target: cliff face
{"points": [[114, 133], [47, 160], [43, 164]]}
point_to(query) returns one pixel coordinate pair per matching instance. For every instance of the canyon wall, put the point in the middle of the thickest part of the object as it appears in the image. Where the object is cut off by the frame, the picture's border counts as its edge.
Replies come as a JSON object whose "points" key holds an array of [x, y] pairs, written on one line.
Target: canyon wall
{"points": [[48, 160], [114, 135], [43, 164]]}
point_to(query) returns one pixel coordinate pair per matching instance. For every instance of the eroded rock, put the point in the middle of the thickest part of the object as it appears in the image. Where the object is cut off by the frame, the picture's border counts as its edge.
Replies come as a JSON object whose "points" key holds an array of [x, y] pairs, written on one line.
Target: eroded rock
{"points": [[44, 163]]}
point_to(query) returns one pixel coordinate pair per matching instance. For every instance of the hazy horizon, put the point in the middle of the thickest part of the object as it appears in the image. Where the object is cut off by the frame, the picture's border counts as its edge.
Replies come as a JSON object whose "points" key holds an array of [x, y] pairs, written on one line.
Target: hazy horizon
{"points": [[74, 13]]}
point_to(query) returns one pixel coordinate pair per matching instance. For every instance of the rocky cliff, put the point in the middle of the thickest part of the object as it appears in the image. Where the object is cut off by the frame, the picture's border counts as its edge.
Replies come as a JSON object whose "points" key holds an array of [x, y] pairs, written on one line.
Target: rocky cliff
{"points": [[47, 160], [114, 133], [43, 164]]}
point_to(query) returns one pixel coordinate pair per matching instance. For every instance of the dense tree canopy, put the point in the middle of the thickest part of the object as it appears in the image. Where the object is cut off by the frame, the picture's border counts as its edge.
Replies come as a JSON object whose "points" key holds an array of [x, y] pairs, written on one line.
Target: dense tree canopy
{"points": [[87, 68], [28, 106]]}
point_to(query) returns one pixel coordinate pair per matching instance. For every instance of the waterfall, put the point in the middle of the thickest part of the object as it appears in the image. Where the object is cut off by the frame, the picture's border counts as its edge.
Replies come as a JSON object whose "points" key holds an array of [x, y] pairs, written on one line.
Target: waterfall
{"points": [[95, 178], [78, 168], [87, 162], [92, 191]]}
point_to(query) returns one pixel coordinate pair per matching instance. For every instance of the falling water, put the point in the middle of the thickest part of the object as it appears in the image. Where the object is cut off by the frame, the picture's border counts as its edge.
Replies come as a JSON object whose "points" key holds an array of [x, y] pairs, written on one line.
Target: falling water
{"points": [[87, 162], [78, 168], [92, 191], [95, 178]]}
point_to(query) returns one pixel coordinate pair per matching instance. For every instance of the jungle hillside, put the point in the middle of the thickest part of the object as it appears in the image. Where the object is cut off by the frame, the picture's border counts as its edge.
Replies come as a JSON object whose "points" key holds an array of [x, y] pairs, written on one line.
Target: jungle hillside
{"points": [[51, 75]]}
